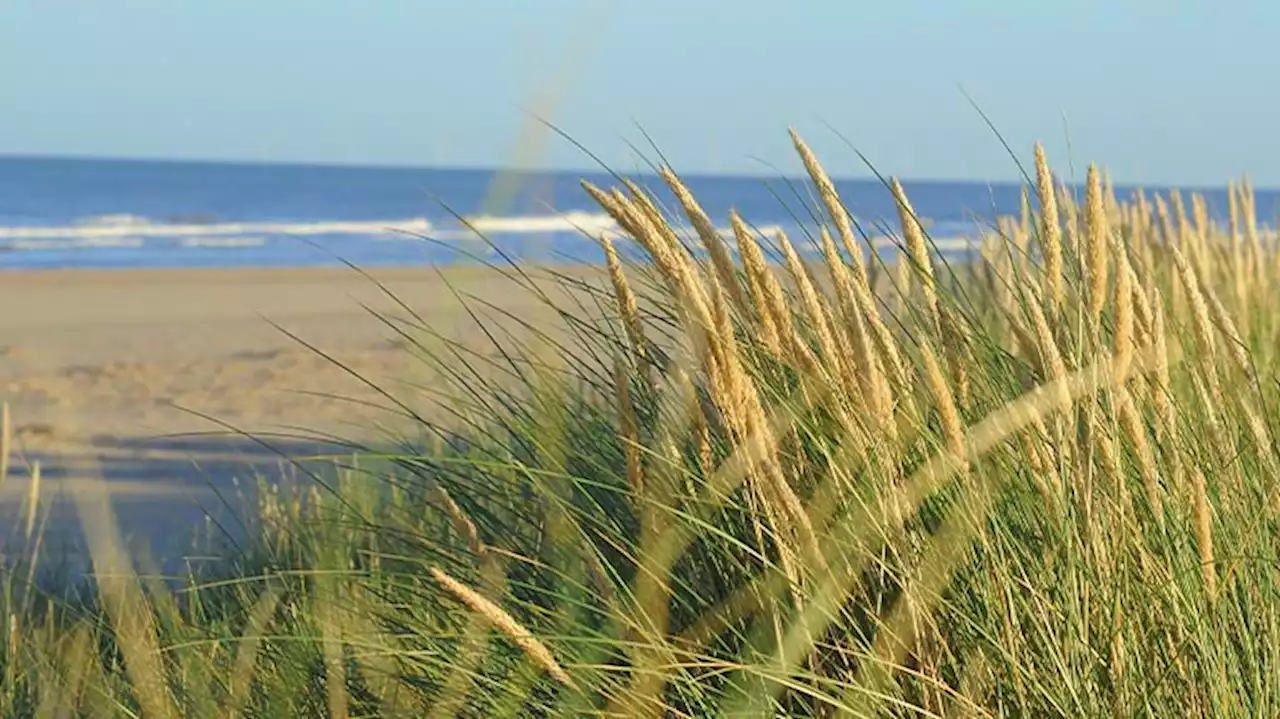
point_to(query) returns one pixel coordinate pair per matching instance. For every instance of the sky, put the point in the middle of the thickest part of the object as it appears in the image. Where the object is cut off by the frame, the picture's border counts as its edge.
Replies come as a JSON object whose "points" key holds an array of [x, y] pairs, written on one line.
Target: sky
{"points": [[1158, 91]]}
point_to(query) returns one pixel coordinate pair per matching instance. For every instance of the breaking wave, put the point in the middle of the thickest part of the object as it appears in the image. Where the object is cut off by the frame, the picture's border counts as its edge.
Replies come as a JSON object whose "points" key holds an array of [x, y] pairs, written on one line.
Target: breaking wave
{"points": [[132, 226], [125, 239]]}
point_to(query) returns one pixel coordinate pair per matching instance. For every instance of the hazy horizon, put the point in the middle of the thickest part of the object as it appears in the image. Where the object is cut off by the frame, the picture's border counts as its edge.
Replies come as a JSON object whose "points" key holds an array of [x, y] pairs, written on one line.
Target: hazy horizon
{"points": [[1076, 180]]}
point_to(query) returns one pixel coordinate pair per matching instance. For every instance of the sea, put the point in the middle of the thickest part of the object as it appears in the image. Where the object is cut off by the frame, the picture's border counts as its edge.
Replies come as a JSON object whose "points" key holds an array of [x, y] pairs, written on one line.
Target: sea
{"points": [[107, 213]]}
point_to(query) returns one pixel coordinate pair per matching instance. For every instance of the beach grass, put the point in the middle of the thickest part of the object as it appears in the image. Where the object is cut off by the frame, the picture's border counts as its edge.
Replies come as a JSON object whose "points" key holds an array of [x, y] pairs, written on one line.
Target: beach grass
{"points": [[738, 482]]}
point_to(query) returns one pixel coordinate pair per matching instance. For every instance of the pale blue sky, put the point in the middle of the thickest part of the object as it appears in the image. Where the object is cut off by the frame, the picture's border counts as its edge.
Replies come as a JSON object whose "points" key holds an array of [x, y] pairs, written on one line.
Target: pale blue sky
{"points": [[1158, 90]]}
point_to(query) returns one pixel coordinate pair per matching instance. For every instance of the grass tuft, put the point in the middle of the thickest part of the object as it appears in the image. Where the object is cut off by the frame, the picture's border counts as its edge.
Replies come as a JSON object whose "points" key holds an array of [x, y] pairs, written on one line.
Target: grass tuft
{"points": [[1040, 480]]}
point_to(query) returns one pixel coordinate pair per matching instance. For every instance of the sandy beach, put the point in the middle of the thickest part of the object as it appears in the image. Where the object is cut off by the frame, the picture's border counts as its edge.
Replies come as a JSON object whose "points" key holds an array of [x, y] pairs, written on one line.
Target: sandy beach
{"points": [[137, 375]]}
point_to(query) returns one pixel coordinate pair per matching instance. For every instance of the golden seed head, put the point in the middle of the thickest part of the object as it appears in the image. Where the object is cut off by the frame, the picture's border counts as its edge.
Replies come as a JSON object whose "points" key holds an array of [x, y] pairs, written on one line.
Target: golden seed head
{"points": [[499, 619], [1123, 340], [720, 258], [952, 428], [1050, 230], [835, 208], [1097, 232], [917, 247]]}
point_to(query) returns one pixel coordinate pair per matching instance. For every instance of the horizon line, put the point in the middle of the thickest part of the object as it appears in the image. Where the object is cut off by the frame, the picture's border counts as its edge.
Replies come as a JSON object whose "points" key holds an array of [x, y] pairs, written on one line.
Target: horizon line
{"points": [[709, 175], [320, 164]]}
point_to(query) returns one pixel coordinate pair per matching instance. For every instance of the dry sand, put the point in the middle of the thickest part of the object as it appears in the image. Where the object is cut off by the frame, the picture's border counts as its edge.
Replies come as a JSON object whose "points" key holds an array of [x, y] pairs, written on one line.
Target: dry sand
{"points": [[101, 368]]}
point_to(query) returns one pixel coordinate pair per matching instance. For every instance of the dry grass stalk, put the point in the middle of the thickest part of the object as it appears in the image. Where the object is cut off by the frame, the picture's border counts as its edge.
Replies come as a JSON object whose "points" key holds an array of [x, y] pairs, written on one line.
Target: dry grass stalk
{"points": [[1023, 338], [629, 429], [763, 317], [1203, 514], [682, 273], [1233, 213], [1104, 443], [335, 666], [461, 522], [1262, 439], [775, 485], [732, 389], [845, 364], [500, 620], [952, 428], [883, 338], [1052, 365], [956, 343], [240, 684], [628, 218], [886, 345], [1210, 401], [810, 302], [1123, 339], [682, 276], [1199, 307], [1097, 246], [131, 615], [1144, 315], [1145, 238], [671, 259], [1050, 231], [724, 334], [1132, 426], [1252, 236], [999, 261], [1236, 346], [720, 257], [644, 203], [773, 302], [1202, 231], [1161, 381], [764, 289], [627, 305], [1161, 385], [702, 432], [903, 276], [1178, 236], [1122, 255], [33, 500], [1237, 250], [835, 208], [1180, 214], [1142, 212], [917, 248], [78, 666], [1071, 219], [706, 316], [1039, 453], [1022, 238], [875, 390], [1168, 230]]}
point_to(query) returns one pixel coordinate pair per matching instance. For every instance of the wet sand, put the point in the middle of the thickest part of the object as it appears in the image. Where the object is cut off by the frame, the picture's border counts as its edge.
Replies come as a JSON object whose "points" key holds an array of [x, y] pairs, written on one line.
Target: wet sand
{"points": [[109, 373]]}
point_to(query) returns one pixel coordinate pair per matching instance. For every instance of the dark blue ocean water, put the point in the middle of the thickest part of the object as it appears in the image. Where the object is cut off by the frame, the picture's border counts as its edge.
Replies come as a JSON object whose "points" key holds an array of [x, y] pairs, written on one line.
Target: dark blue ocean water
{"points": [[58, 213]]}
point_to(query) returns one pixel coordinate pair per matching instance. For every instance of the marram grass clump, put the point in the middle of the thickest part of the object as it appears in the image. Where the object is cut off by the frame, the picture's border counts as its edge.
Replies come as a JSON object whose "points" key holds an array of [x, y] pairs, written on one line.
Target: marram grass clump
{"points": [[1041, 483]]}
